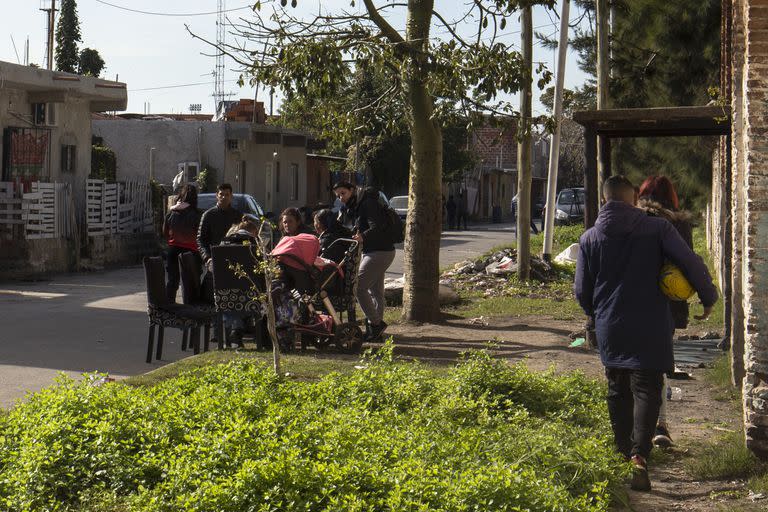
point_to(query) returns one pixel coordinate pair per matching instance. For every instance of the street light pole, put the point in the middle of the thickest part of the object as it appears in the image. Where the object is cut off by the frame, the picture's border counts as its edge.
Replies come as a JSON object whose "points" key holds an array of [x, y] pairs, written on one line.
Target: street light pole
{"points": [[554, 149]]}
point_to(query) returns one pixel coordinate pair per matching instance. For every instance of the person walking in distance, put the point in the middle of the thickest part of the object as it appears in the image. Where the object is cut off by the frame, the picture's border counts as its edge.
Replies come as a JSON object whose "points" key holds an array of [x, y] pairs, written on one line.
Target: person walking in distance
{"points": [[180, 230], [617, 282], [450, 208], [462, 210], [371, 228]]}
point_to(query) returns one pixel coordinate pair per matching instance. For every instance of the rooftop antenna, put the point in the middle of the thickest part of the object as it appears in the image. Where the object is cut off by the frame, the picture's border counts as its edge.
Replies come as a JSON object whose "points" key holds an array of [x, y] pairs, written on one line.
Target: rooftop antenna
{"points": [[218, 72], [51, 14]]}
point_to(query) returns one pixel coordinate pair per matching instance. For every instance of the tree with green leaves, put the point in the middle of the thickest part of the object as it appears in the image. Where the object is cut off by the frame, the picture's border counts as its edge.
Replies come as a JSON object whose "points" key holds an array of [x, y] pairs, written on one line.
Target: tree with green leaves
{"points": [[464, 72], [67, 37], [90, 63], [662, 54]]}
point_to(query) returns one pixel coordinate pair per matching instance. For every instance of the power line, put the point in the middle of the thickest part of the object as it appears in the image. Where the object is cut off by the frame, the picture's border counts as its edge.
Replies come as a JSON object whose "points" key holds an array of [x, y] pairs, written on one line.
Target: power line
{"points": [[176, 86], [187, 14]]}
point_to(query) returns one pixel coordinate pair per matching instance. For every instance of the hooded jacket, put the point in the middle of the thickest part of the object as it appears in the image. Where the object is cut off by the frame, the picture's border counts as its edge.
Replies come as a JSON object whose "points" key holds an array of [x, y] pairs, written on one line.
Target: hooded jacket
{"points": [[617, 282], [180, 226], [366, 215], [681, 220]]}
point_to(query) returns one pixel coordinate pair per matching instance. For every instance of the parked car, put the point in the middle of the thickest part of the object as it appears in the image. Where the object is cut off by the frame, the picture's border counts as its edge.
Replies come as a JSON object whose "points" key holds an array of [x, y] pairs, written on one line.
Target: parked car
{"points": [[244, 203], [569, 208], [538, 207], [400, 205]]}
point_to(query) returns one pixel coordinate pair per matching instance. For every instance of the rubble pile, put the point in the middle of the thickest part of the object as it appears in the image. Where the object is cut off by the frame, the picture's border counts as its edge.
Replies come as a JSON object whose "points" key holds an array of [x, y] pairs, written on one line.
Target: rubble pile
{"points": [[493, 274]]}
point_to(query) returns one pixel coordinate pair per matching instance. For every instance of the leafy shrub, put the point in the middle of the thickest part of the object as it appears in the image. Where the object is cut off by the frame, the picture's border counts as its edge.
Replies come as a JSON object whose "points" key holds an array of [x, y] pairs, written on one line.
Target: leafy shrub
{"points": [[103, 163], [392, 436], [207, 179]]}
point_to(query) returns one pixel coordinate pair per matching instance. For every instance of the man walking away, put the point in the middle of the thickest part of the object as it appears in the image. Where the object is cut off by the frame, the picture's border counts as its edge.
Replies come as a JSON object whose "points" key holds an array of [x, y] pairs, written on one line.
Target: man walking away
{"points": [[617, 278]]}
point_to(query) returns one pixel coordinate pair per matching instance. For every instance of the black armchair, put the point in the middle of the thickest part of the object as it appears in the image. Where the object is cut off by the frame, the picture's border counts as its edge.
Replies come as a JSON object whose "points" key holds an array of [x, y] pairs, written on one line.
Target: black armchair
{"points": [[163, 313]]}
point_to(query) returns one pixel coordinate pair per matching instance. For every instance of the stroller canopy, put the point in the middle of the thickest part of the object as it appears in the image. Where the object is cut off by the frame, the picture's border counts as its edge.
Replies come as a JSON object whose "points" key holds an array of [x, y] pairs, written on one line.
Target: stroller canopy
{"points": [[303, 246]]}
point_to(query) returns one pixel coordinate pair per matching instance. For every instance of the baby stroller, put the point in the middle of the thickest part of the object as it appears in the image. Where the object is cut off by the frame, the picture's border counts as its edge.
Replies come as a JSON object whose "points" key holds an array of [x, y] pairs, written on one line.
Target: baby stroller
{"points": [[321, 291]]}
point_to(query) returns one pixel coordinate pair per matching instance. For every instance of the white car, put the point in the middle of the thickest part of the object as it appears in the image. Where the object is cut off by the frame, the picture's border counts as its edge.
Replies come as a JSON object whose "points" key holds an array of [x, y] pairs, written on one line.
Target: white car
{"points": [[400, 205]]}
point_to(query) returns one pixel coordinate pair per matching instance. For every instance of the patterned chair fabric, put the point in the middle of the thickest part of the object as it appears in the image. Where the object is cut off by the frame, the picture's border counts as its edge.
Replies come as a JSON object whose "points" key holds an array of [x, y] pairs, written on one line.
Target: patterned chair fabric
{"points": [[234, 293], [163, 313]]}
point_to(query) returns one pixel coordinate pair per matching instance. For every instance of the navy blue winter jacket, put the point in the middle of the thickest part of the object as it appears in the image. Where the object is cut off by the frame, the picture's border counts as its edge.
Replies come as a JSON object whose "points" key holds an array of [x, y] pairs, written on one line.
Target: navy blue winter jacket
{"points": [[617, 282]]}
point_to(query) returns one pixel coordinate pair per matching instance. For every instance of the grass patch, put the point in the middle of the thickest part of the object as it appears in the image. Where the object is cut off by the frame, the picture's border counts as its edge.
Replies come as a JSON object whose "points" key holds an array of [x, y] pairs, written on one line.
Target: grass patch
{"points": [[519, 306], [726, 457], [389, 436], [719, 376]]}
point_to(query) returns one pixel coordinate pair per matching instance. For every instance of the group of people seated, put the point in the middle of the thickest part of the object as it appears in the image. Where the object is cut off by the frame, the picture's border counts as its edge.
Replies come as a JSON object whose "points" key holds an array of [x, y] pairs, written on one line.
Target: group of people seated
{"points": [[185, 229]]}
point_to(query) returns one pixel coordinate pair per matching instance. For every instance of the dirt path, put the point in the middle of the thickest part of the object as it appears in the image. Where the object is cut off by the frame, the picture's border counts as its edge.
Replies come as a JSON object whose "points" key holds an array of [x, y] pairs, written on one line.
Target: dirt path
{"points": [[701, 415]]}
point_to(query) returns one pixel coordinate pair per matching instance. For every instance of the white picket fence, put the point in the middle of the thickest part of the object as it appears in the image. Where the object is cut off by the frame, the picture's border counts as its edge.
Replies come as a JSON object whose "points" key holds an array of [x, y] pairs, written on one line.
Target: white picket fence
{"points": [[114, 208], [43, 212]]}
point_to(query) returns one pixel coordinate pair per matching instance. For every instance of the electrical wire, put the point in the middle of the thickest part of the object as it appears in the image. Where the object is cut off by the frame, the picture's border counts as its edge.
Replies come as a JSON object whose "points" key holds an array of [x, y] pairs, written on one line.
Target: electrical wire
{"points": [[170, 13], [177, 86]]}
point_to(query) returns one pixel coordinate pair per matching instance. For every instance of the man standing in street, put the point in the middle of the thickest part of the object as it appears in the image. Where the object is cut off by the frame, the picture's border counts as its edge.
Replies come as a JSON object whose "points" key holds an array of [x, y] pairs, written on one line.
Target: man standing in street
{"points": [[214, 225], [617, 283], [216, 222]]}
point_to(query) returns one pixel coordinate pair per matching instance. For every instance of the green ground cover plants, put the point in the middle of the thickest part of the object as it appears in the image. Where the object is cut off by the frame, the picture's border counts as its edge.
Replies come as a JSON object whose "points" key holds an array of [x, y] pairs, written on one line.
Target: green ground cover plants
{"points": [[386, 436]]}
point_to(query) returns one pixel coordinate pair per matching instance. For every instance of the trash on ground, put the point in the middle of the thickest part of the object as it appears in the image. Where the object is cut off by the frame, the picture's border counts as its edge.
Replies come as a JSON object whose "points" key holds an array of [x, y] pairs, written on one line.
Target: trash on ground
{"points": [[569, 256], [481, 320], [578, 342]]}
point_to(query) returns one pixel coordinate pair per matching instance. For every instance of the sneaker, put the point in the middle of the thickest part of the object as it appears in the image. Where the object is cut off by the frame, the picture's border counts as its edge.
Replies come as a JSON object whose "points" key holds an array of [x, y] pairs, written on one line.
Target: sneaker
{"points": [[640, 479], [376, 331], [662, 439]]}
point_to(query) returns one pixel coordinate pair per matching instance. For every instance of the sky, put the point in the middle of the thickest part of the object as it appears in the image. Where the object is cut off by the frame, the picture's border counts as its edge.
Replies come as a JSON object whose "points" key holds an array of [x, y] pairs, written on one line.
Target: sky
{"points": [[166, 70]]}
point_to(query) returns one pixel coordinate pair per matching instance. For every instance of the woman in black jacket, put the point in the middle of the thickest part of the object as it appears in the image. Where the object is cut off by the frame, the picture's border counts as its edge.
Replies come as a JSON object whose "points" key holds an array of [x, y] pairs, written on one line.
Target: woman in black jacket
{"points": [[371, 227]]}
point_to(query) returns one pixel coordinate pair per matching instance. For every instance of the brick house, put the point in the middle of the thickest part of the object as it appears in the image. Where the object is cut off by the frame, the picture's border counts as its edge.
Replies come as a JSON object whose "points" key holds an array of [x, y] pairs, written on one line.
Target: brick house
{"points": [[739, 212], [493, 181]]}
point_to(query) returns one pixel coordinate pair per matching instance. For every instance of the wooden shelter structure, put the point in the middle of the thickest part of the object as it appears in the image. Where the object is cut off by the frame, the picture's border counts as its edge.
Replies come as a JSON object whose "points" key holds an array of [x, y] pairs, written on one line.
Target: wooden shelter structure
{"points": [[603, 125]]}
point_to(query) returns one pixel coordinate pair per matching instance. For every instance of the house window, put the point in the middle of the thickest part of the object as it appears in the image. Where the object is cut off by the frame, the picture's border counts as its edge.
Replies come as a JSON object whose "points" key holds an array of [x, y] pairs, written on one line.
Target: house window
{"points": [[295, 182], [232, 144], [68, 158]]}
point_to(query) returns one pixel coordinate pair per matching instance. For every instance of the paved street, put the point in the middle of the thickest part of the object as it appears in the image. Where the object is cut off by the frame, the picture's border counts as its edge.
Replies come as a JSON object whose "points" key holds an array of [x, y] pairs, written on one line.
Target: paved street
{"points": [[97, 321]]}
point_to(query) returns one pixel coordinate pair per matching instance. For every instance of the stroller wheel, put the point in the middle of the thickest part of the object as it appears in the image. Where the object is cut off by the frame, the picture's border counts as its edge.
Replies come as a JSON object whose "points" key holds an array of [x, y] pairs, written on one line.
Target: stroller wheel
{"points": [[348, 337]]}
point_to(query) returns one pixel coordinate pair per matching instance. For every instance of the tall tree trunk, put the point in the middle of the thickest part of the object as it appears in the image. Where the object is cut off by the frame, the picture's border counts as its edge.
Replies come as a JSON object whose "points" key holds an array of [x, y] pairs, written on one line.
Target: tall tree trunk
{"points": [[524, 153], [425, 219]]}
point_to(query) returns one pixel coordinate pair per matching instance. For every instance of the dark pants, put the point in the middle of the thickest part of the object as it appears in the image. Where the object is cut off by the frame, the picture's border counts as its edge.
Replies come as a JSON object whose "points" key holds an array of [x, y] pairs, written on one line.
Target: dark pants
{"points": [[451, 219], [461, 218], [634, 398], [172, 274]]}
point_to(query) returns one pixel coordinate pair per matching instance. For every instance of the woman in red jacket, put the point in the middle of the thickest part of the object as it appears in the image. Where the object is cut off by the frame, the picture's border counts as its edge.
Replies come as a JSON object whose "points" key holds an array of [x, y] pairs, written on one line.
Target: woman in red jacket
{"points": [[180, 229]]}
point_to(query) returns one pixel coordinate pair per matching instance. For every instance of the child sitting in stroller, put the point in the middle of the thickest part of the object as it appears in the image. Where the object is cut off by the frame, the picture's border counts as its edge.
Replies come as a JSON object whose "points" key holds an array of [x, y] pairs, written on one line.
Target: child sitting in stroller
{"points": [[303, 282]]}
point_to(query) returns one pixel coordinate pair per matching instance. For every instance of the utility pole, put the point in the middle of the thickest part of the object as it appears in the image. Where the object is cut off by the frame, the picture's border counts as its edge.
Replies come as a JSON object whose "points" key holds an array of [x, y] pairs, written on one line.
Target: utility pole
{"points": [[554, 148], [603, 74], [51, 12], [524, 152]]}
